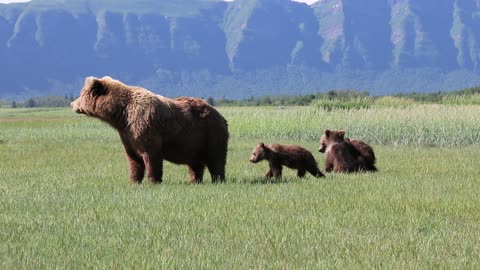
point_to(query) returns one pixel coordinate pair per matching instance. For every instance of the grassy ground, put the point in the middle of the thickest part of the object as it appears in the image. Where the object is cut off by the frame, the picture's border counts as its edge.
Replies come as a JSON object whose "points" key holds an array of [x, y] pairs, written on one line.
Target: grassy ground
{"points": [[65, 199]]}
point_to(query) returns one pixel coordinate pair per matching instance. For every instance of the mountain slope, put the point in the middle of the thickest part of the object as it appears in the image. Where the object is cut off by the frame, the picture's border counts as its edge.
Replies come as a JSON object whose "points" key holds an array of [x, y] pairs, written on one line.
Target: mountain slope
{"points": [[240, 48]]}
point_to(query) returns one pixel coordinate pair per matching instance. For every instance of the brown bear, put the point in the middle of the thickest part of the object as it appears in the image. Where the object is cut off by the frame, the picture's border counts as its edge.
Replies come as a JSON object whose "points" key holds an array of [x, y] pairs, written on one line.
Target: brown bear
{"points": [[292, 156], [365, 155], [345, 155], [154, 128]]}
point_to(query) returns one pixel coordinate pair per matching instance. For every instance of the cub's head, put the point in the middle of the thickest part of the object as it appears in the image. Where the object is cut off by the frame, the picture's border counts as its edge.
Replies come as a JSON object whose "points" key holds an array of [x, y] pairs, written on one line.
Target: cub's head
{"points": [[260, 152], [99, 98], [330, 137]]}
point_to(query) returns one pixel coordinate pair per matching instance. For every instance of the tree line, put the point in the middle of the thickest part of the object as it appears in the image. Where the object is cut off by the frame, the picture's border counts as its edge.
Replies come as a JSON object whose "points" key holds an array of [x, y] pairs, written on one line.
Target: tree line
{"points": [[343, 99]]}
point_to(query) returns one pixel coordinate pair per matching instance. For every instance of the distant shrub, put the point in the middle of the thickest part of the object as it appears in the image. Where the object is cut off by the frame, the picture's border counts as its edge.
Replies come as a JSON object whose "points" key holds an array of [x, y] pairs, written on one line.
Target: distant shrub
{"points": [[467, 91], [473, 99], [30, 103], [347, 104], [394, 102], [211, 101], [345, 94]]}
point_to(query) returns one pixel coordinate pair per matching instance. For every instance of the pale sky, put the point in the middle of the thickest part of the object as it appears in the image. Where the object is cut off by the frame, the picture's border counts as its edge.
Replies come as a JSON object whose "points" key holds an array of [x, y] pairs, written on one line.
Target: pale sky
{"points": [[305, 1], [12, 1]]}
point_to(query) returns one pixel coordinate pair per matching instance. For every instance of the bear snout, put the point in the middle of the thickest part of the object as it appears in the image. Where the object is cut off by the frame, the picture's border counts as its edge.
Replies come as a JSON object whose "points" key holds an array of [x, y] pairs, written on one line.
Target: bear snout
{"points": [[253, 160], [75, 107], [321, 149]]}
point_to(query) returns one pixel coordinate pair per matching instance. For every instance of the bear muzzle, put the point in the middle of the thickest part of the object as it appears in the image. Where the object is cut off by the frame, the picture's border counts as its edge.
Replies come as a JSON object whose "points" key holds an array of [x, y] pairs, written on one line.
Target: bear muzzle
{"points": [[76, 108]]}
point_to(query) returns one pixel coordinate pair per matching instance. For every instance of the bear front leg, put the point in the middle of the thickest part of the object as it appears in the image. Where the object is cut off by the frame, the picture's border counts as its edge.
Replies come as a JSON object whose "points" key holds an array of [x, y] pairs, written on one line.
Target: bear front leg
{"points": [[136, 168], [154, 167], [136, 165], [329, 164], [277, 171], [269, 173], [275, 167]]}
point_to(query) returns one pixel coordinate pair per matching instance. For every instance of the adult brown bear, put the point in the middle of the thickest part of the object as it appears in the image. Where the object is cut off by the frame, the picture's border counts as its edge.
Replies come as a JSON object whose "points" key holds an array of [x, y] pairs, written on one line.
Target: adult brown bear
{"points": [[155, 128]]}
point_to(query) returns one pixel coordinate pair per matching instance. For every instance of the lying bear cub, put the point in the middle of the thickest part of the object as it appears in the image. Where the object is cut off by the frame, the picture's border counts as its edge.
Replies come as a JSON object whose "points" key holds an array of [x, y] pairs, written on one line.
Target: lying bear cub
{"points": [[292, 156], [345, 155]]}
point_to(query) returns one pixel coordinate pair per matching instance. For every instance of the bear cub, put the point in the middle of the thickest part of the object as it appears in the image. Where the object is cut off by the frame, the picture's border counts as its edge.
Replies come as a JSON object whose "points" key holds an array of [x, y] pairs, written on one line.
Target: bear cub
{"points": [[292, 156], [345, 155]]}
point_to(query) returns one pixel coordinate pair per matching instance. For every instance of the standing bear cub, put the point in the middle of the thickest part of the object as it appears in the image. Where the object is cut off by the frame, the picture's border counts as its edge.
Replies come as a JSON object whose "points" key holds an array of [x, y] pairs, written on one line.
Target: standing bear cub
{"points": [[345, 155], [292, 156], [154, 128]]}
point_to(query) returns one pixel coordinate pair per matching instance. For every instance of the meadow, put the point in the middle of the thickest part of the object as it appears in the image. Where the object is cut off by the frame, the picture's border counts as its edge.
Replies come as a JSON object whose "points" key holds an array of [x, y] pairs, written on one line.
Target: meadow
{"points": [[66, 201]]}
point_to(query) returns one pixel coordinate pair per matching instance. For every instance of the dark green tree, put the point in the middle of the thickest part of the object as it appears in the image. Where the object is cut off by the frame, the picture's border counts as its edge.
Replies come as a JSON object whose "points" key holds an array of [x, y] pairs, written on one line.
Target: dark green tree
{"points": [[30, 103], [211, 101]]}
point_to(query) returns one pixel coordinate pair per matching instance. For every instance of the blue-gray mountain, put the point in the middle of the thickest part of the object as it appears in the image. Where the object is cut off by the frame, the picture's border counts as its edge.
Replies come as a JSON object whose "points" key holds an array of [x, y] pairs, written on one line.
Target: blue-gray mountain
{"points": [[241, 48]]}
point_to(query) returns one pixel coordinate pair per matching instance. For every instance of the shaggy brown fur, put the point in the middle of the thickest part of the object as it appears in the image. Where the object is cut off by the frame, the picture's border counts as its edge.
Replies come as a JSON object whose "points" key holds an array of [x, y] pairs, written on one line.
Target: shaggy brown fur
{"points": [[345, 155], [292, 156], [153, 128], [365, 156]]}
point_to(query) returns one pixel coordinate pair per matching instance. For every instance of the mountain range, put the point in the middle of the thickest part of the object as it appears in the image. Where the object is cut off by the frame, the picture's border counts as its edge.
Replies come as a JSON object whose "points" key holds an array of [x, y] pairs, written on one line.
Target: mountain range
{"points": [[242, 48]]}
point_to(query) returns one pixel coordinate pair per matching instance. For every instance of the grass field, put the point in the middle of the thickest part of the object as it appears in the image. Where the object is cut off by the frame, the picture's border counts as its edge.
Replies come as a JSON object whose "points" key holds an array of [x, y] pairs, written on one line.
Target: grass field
{"points": [[66, 202]]}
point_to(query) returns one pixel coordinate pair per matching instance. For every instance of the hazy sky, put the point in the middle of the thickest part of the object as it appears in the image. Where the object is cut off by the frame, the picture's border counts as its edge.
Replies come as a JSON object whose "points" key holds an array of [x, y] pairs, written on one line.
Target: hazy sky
{"points": [[11, 1]]}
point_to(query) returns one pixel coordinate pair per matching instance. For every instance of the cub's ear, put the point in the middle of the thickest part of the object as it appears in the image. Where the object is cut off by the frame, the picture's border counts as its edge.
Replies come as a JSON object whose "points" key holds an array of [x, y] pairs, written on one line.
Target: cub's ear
{"points": [[262, 145], [341, 134], [327, 132]]}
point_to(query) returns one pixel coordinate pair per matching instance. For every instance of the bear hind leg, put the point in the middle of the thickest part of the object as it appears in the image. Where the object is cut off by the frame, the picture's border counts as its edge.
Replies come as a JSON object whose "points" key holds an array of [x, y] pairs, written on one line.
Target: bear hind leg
{"points": [[217, 171], [371, 167], [216, 162], [301, 172]]}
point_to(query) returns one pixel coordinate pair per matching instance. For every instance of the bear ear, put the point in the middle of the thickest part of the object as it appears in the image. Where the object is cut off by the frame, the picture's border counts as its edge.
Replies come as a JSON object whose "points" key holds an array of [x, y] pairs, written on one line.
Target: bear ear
{"points": [[262, 145], [341, 134], [327, 132], [97, 87]]}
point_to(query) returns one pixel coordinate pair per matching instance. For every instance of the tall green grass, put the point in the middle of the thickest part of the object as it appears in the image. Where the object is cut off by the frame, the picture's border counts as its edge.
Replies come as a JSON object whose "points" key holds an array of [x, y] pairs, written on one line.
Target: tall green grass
{"points": [[420, 125], [461, 99], [365, 102], [66, 203]]}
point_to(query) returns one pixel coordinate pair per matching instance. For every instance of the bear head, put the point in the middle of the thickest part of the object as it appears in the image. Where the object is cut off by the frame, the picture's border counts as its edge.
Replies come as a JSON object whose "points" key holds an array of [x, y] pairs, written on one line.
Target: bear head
{"points": [[100, 98], [260, 152], [330, 137]]}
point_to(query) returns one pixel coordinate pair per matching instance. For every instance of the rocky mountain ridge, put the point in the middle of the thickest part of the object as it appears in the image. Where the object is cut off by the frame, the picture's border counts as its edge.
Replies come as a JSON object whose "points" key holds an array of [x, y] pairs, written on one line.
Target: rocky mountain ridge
{"points": [[241, 48]]}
